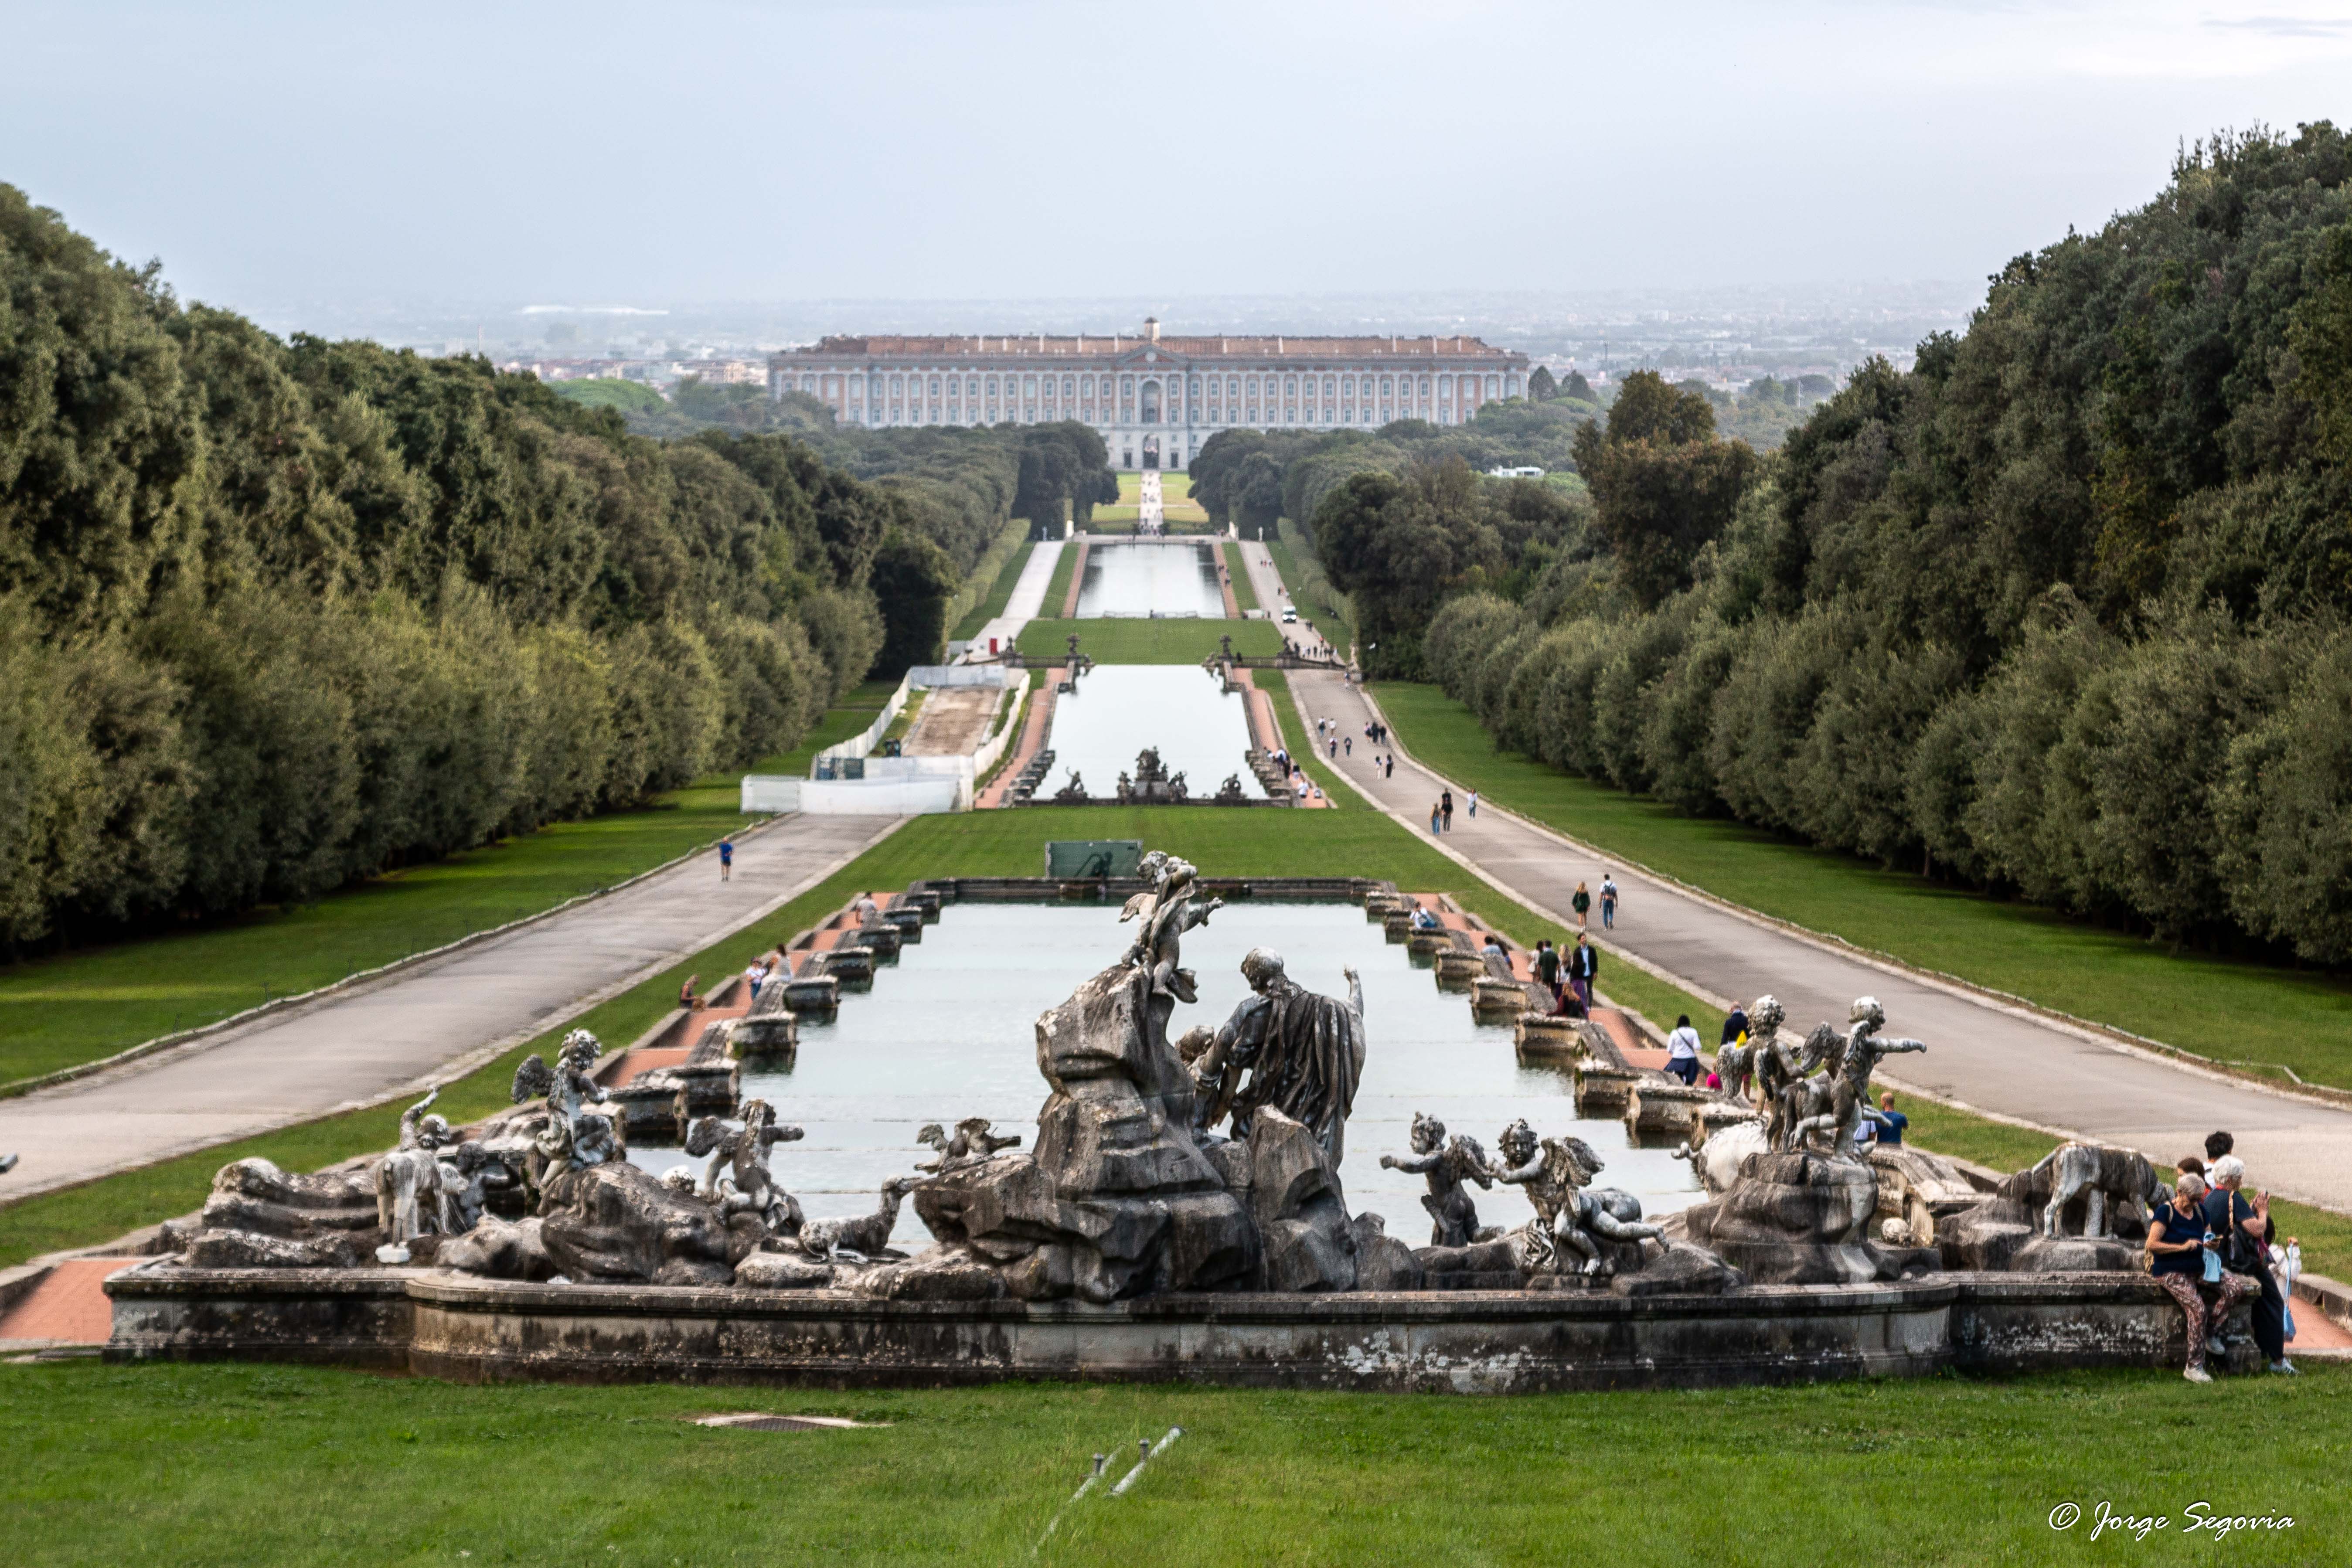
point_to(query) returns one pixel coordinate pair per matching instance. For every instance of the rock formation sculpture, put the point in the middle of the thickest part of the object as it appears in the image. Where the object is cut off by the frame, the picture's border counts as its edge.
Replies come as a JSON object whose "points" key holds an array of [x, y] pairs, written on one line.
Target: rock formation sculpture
{"points": [[2082, 1205], [1454, 1217]]}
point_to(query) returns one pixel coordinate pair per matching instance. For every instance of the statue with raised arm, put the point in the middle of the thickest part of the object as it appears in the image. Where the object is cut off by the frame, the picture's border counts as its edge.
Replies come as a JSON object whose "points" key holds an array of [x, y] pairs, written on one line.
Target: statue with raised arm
{"points": [[1850, 1085], [410, 1200], [1454, 1217], [1286, 1048], [738, 1181], [1168, 909], [574, 1137]]}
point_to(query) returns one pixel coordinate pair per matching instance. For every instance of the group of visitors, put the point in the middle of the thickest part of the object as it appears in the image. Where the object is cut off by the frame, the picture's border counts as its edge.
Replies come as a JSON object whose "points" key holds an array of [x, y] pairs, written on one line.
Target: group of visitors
{"points": [[2207, 1235], [1568, 975]]}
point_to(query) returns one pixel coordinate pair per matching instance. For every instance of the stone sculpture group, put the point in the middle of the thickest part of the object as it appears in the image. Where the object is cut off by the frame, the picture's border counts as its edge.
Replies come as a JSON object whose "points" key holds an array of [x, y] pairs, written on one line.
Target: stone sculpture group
{"points": [[1205, 1162]]}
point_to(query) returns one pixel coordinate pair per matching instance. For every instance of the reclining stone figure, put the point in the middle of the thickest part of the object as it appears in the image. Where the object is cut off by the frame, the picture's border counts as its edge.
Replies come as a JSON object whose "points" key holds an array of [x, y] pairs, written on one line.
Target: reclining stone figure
{"points": [[1447, 1164]]}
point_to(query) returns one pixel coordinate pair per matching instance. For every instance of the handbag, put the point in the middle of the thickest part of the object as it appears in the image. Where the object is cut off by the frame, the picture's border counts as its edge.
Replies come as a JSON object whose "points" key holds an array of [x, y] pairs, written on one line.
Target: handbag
{"points": [[2212, 1267]]}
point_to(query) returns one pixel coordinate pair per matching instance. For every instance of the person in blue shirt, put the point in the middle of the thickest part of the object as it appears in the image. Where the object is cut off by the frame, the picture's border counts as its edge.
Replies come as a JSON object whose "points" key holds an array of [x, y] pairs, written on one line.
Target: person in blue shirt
{"points": [[726, 858], [2176, 1238], [1889, 1121]]}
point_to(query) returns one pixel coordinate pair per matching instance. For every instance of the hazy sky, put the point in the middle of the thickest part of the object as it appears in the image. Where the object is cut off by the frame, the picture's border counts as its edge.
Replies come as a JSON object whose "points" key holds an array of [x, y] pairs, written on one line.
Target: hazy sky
{"points": [[586, 154]]}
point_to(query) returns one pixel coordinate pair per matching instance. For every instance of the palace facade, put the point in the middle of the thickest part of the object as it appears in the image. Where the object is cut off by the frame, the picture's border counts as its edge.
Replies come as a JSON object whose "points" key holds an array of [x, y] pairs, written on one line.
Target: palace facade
{"points": [[1155, 399]]}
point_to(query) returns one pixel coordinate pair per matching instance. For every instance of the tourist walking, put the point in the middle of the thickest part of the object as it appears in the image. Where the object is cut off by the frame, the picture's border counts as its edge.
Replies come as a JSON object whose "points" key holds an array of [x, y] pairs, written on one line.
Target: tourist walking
{"points": [[1682, 1050], [1474, 805], [1608, 902], [726, 859], [2243, 1230], [1735, 1027], [1445, 808], [1348, 744], [1390, 772], [1436, 822], [2175, 1248], [1548, 970], [1583, 966], [1582, 904]]}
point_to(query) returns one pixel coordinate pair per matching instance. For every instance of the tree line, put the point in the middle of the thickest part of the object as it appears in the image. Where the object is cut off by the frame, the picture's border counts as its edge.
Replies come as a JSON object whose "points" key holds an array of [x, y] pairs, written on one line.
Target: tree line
{"points": [[278, 614], [2061, 610]]}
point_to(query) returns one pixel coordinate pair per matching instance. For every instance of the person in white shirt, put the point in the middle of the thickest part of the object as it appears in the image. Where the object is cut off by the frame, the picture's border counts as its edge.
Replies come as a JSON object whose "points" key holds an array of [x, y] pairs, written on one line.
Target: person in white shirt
{"points": [[1682, 1050], [755, 977]]}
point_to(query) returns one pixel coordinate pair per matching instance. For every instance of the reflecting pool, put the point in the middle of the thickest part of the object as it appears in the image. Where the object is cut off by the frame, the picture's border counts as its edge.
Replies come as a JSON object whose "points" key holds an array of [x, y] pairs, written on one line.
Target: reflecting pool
{"points": [[948, 1032], [1119, 709], [1150, 577]]}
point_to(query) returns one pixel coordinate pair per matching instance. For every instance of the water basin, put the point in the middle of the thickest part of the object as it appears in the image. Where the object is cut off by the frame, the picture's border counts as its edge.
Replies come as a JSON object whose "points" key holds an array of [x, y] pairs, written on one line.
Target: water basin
{"points": [[1119, 709], [1150, 577], [949, 1032]]}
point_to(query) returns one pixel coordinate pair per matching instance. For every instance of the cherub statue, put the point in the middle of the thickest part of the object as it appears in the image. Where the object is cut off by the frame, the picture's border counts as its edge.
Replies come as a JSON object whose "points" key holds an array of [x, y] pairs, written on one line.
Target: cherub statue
{"points": [[1757, 1070], [1806, 1089], [738, 1181], [972, 1142], [1850, 1080], [1454, 1217], [410, 1201], [1554, 1173], [575, 1137], [1169, 911]]}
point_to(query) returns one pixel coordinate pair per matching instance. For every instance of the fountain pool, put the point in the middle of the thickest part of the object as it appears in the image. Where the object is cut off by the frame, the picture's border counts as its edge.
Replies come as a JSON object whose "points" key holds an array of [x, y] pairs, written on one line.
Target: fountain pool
{"points": [[948, 1032], [1119, 709], [1150, 577]]}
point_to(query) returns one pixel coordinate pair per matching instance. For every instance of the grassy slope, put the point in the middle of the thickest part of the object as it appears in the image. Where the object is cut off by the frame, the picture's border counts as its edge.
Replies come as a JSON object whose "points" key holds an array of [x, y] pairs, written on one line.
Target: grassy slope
{"points": [[856, 711], [1119, 641], [1323, 617], [992, 603], [2215, 1006], [1245, 591], [248, 1464], [1058, 588], [60, 1012]]}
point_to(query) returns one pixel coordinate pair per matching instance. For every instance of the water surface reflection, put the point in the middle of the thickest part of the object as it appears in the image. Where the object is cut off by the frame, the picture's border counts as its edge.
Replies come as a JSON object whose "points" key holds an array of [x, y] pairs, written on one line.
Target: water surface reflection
{"points": [[1119, 709], [948, 1032], [1150, 577]]}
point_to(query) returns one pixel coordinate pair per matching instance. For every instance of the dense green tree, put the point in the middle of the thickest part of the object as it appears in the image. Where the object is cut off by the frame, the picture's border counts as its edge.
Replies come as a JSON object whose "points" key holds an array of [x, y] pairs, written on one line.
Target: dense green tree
{"points": [[913, 580]]}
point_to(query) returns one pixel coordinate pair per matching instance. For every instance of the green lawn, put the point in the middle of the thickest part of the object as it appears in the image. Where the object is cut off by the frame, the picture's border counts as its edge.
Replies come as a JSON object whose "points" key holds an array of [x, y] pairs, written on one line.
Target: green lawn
{"points": [[254, 1465], [999, 592], [1245, 591], [1325, 618], [1058, 588], [1122, 641], [2225, 1008], [57, 1013]]}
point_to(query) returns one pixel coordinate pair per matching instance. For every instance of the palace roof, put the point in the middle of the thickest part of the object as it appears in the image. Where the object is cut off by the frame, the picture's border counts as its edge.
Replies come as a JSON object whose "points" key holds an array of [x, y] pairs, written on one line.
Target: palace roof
{"points": [[1111, 346]]}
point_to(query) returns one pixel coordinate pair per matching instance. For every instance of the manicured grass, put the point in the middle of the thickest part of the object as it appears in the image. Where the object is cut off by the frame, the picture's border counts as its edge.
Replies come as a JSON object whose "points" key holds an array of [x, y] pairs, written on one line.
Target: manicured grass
{"points": [[1325, 618], [1245, 591], [57, 1013], [999, 592], [1058, 588], [1117, 640], [2225, 1008], [255, 1464]]}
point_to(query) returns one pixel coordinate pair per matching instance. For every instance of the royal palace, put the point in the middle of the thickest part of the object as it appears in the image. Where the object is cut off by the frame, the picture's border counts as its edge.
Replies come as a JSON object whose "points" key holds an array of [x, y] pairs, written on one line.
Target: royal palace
{"points": [[1155, 399]]}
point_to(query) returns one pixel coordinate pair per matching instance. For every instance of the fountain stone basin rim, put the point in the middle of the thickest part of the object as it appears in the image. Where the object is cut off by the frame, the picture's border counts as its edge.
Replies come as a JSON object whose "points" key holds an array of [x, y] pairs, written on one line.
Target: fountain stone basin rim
{"points": [[440, 1324]]}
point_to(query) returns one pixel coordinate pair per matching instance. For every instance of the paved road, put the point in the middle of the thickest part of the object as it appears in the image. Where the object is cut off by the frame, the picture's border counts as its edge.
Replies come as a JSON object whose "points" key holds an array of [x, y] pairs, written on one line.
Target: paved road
{"points": [[357, 1047], [1998, 1059], [1027, 598]]}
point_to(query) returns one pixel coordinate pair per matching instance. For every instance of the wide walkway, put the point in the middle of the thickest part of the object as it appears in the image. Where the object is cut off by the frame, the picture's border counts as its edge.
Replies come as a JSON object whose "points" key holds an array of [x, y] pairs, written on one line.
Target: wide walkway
{"points": [[1982, 1053], [1026, 602], [1271, 593], [357, 1047]]}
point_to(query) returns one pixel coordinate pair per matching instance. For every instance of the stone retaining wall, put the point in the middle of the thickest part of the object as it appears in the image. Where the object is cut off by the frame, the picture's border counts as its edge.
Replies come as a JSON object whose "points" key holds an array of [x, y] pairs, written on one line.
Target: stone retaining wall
{"points": [[472, 1329]]}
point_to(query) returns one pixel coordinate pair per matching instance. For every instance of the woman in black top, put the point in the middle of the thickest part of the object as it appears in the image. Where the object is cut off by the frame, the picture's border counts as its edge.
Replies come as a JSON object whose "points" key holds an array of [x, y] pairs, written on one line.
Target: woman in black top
{"points": [[2175, 1248]]}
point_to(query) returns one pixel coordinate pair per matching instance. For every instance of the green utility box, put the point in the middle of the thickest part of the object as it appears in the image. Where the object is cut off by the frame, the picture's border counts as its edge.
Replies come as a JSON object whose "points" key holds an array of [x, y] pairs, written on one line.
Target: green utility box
{"points": [[1067, 859]]}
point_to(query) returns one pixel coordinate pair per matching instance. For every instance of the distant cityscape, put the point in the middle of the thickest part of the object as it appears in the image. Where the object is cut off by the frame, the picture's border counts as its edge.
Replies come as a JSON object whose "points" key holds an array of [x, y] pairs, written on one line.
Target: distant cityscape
{"points": [[1724, 337]]}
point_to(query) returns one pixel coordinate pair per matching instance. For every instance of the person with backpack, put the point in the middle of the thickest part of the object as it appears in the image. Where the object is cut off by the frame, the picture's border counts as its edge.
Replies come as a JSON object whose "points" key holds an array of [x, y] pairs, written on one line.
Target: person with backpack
{"points": [[2243, 1230], [1608, 902], [2177, 1234]]}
